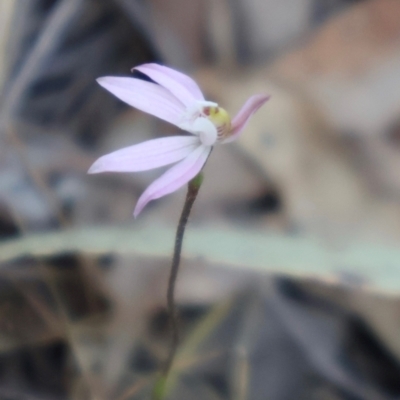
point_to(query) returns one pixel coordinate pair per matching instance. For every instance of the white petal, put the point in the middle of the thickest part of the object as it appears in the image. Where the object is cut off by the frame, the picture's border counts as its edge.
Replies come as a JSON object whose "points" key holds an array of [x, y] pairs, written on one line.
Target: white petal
{"points": [[169, 78], [147, 155], [164, 78], [145, 96], [174, 178]]}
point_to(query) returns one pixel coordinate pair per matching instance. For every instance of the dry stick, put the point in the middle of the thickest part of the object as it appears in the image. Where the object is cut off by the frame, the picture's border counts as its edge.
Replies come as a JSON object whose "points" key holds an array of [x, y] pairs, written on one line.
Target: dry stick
{"points": [[193, 190]]}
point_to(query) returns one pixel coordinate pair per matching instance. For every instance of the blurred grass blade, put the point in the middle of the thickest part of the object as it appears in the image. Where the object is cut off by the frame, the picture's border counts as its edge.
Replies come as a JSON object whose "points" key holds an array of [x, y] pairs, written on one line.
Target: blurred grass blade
{"points": [[53, 32], [56, 50], [376, 266]]}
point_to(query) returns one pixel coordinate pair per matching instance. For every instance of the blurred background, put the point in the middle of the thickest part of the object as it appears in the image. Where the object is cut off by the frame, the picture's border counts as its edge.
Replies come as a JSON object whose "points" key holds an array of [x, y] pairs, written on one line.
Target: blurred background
{"points": [[290, 280]]}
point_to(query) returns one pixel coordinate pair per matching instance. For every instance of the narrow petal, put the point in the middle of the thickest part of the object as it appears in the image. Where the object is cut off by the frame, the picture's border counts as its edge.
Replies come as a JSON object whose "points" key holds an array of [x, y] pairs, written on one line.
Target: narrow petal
{"points": [[174, 178], [180, 85], [147, 155], [145, 96], [243, 116]]}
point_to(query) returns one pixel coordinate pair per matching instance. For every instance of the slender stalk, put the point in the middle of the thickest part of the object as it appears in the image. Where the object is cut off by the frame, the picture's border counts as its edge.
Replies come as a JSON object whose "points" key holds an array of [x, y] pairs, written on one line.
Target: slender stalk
{"points": [[193, 190]]}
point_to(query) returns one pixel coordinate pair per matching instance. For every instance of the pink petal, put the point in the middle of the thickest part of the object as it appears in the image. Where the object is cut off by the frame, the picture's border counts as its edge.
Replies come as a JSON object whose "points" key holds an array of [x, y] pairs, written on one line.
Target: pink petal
{"points": [[243, 116], [180, 85], [145, 96], [174, 178], [147, 155]]}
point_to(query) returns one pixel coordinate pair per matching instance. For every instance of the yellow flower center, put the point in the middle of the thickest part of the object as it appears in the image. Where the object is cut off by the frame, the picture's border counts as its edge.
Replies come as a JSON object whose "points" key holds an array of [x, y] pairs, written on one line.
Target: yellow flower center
{"points": [[220, 118]]}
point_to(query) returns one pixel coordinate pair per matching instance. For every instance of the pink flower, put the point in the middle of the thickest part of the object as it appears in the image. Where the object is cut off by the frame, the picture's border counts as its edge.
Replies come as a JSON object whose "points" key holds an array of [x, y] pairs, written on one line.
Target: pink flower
{"points": [[177, 99]]}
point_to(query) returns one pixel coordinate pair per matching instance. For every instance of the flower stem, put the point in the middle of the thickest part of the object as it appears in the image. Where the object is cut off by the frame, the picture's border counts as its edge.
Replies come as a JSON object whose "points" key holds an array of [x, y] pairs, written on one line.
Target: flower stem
{"points": [[193, 190]]}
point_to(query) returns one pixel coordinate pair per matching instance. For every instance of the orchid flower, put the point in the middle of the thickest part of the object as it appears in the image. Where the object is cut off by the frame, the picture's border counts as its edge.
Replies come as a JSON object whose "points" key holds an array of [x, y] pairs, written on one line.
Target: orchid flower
{"points": [[177, 99]]}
